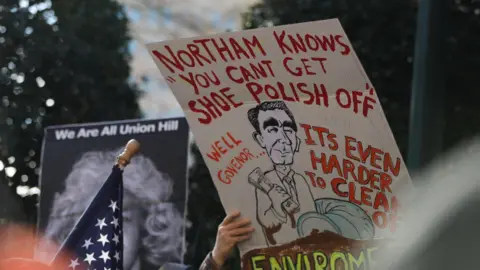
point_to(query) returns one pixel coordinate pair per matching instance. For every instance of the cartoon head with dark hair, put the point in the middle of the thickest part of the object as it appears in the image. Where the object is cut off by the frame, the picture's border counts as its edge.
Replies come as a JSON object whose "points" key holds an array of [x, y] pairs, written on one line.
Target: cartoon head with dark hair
{"points": [[275, 131]]}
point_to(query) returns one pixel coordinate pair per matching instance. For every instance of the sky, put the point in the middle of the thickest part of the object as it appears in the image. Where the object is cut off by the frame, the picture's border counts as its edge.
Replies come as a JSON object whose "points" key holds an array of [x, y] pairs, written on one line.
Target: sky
{"points": [[169, 20]]}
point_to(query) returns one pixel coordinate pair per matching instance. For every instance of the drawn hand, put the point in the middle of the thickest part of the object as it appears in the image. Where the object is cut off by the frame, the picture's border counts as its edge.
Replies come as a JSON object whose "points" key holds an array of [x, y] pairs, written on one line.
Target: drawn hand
{"points": [[277, 196], [231, 231]]}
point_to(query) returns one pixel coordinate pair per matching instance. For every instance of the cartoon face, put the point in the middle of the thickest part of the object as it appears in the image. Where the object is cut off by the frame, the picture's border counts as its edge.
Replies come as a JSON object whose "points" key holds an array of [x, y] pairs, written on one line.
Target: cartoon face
{"points": [[277, 136]]}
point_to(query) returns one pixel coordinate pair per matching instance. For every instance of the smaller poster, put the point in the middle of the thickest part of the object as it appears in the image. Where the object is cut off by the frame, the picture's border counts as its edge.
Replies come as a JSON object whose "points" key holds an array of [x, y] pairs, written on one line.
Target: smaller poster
{"points": [[77, 159]]}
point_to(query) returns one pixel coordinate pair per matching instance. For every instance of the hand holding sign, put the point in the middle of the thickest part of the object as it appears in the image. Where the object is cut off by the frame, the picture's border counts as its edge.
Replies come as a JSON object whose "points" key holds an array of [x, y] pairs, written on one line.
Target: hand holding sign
{"points": [[231, 231]]}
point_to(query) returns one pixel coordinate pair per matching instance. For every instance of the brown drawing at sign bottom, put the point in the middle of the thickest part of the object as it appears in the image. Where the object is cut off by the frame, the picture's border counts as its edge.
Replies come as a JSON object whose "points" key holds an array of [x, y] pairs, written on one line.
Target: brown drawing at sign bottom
{"points": [[319, 250]]}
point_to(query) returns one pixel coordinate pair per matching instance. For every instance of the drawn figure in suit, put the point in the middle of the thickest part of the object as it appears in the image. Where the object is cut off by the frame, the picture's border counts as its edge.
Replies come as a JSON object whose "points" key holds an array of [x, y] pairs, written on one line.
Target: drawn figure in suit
{"points": [[282, 195]]}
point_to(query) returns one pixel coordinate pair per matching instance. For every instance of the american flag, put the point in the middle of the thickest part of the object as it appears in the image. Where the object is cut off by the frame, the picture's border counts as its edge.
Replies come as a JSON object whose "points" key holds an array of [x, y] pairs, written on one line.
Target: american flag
{"points": [[96, 241]]}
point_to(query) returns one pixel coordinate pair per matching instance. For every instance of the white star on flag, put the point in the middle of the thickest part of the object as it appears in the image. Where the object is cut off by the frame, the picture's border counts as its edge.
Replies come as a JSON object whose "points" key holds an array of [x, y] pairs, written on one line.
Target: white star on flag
{"points": [[103, 239], [114, 222], [117, 255], [88, 243], [113, 205], [101, 223], [104, 256], [90, 258], [74, 263], [115, 239]]}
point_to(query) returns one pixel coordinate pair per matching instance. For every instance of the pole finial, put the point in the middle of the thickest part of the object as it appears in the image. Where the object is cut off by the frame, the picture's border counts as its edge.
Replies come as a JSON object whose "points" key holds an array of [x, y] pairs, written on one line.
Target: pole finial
{"points": [[131, 149]]}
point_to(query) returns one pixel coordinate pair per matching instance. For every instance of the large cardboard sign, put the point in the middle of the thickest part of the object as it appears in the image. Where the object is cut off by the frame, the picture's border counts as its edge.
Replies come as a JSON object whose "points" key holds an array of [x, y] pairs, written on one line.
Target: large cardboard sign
{"points": [[295, 138], [77, 159]]}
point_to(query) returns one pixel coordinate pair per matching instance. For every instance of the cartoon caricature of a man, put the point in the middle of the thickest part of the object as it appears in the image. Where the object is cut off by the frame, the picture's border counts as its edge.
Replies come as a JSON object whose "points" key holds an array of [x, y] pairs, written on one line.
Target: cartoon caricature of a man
{"points": [[281, 193]]}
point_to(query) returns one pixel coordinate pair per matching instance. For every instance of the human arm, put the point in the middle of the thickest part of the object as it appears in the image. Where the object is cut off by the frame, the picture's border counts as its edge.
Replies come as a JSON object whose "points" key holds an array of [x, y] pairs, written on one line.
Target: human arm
{"points": [[209, 263]]}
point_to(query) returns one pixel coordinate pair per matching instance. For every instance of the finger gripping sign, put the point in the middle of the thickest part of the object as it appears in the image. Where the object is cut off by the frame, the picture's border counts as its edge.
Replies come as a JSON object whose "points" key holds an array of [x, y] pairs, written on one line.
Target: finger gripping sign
{"points": [[295, 138]]}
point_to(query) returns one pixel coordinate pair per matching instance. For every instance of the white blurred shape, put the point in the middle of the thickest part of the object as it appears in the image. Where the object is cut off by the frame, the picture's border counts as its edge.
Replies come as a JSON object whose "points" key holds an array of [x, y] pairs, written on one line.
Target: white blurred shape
{"points": [[20, 78], [11, 160], [442, 224], [22, 191], [34, 191], [40, 82], [50, 102], [23, 3], [10, 171]]}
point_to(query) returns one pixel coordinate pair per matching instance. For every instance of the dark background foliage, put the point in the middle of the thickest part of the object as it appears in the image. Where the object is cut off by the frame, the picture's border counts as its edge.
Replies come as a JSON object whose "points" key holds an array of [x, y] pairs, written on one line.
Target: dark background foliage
{"points": [[59, 53]]}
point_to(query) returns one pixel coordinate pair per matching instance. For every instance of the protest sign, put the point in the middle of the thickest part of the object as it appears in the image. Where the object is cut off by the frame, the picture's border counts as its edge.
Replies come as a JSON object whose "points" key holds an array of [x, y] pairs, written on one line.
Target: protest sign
{"points": [[295, 138], [77, 159]]}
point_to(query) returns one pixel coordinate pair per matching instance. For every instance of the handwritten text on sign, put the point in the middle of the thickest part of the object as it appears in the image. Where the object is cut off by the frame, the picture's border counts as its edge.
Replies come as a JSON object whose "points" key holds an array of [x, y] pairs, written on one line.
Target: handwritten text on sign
{"points": [[363, 174], [204, 52]]}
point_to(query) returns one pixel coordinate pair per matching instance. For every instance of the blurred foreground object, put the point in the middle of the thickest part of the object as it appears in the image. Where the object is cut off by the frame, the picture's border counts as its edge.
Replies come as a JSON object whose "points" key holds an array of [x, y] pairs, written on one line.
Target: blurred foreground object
{"points": [[23, 264], [99, 247], [441, 231], [15, 251], [15, 241]]}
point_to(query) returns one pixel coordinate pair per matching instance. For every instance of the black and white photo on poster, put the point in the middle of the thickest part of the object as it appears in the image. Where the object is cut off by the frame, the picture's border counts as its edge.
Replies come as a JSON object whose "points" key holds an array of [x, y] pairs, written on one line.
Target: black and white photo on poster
{"points": [[77, 159]]}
